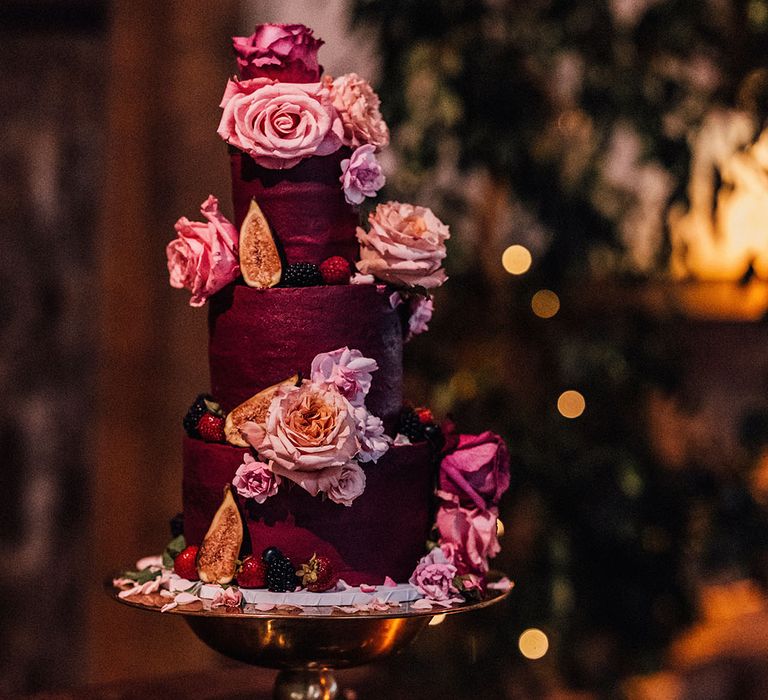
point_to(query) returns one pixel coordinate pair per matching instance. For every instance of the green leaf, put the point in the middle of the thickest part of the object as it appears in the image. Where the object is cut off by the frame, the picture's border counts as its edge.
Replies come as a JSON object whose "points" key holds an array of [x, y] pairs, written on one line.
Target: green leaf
{"points": [[213, 407], [141, 576], [175, 547]]}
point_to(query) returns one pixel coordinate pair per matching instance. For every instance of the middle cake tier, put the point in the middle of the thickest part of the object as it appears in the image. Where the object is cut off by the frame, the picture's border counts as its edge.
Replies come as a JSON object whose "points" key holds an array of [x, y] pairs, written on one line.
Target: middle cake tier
{"points": [[259, 337]]}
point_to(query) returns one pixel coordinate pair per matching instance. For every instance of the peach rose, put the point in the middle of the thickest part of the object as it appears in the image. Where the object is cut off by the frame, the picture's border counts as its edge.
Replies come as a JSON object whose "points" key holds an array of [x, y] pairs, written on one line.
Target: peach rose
{"points": [[342, 484], [279, 124], [358, 106], [471, 534], [203, 256], [405, 246], [308, 428]]}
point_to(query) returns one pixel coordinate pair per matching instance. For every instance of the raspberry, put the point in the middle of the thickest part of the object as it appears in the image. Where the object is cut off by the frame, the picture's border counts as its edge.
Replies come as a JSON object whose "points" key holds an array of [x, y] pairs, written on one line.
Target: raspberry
{"points": [[425, 415], [211, 428], [317, 575], [252, 573], [185, 563], [335, 270], [302, 275]]}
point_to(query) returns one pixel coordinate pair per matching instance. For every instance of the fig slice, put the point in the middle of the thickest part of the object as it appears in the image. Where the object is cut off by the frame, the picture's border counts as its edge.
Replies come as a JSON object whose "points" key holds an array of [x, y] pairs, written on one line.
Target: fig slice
{"points": [[259, 258], [218, 554], [253, 409]]}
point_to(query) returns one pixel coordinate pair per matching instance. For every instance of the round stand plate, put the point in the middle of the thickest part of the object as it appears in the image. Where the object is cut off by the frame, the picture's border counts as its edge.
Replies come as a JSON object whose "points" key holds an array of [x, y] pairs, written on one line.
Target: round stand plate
{"points": [[307, 643]]}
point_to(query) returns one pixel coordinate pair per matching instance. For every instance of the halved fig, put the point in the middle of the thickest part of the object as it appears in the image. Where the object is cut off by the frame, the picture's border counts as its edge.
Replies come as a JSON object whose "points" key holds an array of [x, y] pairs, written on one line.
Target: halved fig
{"points": [[259, 258], [253, 409], [219, 552]]}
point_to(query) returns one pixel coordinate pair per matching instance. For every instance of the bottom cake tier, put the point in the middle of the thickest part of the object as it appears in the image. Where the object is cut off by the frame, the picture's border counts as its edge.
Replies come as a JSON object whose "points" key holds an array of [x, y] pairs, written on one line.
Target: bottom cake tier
{"points": [[383, 533]]}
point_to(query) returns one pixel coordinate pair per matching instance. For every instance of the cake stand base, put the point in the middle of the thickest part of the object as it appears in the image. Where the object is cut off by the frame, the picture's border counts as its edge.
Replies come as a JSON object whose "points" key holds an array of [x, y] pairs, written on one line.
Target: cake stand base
{"points": [[307, 644]]}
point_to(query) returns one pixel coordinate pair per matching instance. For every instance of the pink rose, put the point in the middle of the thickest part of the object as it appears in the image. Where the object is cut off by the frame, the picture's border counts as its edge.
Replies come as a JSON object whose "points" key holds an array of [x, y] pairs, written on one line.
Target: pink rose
{"points": [[254, 479], [308, 428], [347, 370], [279, 124], [203, 257], [361, 175], [358, 106], [374, 442], [227, 598], [476, 471], [404, 246], [342, 484], [421, 315], [434, 576], [472, 533], [286, 52]]}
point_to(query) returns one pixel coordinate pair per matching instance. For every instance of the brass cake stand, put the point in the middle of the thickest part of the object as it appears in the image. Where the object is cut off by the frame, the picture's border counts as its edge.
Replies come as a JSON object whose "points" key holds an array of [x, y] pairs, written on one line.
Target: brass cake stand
{"points": [[306, 646]]}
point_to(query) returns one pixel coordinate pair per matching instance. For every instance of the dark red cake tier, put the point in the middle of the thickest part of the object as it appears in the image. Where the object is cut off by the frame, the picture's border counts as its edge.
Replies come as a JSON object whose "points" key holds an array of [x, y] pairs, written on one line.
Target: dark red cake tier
{"points": [[259, 337], [304, 205], [383, 533]]}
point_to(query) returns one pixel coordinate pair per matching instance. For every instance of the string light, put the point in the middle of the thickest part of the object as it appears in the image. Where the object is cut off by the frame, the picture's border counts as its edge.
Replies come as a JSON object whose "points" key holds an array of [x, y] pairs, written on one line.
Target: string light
{"points": [[571, 404], [533, 643], [545, 303], [516, 259]]}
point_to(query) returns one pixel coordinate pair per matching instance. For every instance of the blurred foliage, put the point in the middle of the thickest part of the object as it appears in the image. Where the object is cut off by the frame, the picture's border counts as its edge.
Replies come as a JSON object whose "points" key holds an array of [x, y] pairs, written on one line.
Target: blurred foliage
{"points": [[564, 125]]}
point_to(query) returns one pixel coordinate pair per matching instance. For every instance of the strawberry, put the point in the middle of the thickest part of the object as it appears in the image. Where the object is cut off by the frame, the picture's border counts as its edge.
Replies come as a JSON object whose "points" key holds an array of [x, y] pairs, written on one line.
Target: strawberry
{"points": [[335, 270], [317, 575], [211, 428], [425, 415], [184, 564], [251, 573]]}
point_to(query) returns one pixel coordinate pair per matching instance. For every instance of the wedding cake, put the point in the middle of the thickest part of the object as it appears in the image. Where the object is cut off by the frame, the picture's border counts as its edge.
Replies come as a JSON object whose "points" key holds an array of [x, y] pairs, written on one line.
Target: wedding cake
{"points": [[303, 468]]}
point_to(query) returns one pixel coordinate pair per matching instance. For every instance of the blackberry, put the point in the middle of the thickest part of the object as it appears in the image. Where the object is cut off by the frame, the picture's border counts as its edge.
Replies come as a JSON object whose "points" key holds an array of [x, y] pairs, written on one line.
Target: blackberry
{"points": [[203, 404], [434, 434], [302, 275], [271, 554], [410, 425], [281, 576], [177, 525]]}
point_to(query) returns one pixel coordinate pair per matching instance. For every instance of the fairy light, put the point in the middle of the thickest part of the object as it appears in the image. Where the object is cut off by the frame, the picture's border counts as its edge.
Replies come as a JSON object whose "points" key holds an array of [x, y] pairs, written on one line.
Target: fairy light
{"points": [[545, 303], [571, 404], [436, 620], [516, 259], [533, 643]]}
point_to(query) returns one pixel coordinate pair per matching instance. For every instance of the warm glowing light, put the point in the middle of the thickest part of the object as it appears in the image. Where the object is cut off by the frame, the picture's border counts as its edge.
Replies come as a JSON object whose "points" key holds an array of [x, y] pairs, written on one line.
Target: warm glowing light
{"points": [[436, 620], [533, 644], [571, 404], [516, 259], [545, 303], [499, 528]]}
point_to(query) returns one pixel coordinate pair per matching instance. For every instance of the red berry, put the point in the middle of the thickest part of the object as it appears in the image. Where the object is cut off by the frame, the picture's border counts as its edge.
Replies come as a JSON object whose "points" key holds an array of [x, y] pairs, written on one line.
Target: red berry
{"points": [[335, 270], [425, 416], [211, 428], [317, 575], [252, 572], [184, 564]]}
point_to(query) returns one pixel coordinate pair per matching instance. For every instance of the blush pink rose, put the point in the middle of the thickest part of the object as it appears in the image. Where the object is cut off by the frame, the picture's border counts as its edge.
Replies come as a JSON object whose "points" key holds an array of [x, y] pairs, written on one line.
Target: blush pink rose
{"points": [[308, 428], [341, 484], [358, 105], [421, 309], [347, 370], [254, 479], [203, 256], [361, 175], [471, 533], [286, 52], [405, 246], [434, 576], [227, 598], [279, 124], [476, 472]]}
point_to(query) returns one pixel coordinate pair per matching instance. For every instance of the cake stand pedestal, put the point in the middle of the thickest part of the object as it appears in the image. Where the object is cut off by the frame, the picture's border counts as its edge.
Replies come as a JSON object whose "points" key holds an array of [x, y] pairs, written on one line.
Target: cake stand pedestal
{"points": [[307, 646]]}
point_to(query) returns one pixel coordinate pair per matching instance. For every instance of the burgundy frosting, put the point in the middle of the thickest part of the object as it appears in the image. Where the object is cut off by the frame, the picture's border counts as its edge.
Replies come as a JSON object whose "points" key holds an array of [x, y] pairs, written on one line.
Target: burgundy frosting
{"points": [[383, 533], [259, 337], [304, 205]]}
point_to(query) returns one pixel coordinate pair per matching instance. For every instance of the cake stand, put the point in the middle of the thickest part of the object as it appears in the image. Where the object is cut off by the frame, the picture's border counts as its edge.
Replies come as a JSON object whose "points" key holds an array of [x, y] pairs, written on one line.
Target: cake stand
{"points": [[307, 645]]}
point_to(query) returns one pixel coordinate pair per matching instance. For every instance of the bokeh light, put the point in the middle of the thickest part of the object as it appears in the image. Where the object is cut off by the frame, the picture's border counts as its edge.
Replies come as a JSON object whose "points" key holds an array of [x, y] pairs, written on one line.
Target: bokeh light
{"points": [[545, 303], [533, 643], [437, 619], [499, 528], [571, 404], [516, 259]]}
